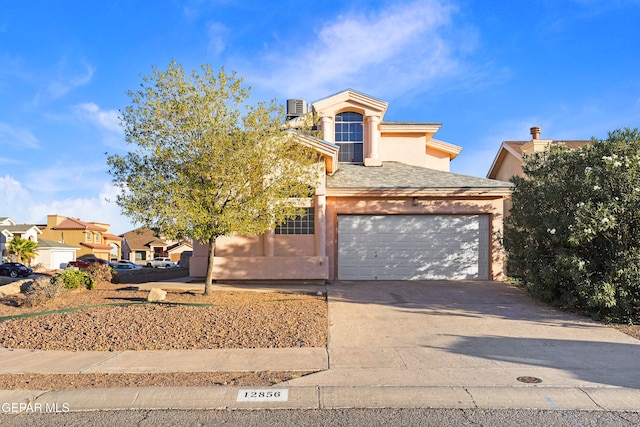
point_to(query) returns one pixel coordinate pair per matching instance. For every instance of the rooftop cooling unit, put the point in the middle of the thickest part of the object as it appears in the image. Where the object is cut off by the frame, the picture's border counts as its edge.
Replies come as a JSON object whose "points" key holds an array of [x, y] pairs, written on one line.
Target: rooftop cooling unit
{"points": [[296, 107]]}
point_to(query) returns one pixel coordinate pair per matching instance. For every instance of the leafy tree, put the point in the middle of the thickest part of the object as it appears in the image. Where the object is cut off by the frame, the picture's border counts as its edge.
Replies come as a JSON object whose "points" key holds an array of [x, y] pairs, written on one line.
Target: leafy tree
{"points": [[205, 164], [24, 249], [572, 232]]}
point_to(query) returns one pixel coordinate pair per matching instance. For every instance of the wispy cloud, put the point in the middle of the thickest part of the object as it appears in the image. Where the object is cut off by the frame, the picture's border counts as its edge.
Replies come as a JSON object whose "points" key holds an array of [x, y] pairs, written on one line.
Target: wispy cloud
{"points": [[67, 175], [63, 78], [28, 206], [394, 49], [106, 121], [12, 192], [15, 137], [217, 34]]}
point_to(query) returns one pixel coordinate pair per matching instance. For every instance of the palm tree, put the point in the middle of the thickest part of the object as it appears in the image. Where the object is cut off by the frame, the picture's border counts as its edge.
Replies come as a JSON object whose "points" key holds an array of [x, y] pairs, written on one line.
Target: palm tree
{"points": [[24, 249]]}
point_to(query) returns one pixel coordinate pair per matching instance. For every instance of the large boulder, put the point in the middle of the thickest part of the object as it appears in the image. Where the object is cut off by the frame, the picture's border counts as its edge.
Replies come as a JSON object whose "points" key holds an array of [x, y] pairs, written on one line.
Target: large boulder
{"points": [[157, 294], [14, 287]]}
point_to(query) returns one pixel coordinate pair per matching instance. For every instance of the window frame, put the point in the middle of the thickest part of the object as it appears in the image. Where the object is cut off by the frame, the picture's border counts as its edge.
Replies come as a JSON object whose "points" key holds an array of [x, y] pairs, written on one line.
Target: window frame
{"points": [[349, 136], [300, 225]]}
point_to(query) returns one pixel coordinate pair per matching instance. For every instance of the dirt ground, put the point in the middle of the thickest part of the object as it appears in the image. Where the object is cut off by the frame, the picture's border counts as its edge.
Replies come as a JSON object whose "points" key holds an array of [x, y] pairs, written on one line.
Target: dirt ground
{"points": [[115, 317]]}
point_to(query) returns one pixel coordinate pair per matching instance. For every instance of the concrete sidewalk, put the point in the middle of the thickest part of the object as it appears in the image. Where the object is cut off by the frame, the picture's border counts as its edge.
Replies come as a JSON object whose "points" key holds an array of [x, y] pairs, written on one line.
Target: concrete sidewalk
{"points": [[391, 345]]}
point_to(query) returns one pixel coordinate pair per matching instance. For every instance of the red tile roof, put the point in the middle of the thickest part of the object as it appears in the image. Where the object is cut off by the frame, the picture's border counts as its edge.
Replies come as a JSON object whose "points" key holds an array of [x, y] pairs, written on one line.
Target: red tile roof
{"points": [[76, 224]]}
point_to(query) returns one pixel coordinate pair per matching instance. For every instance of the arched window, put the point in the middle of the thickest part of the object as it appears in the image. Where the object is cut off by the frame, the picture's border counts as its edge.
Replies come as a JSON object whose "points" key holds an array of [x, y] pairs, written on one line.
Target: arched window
{"points": [[349, 137]]}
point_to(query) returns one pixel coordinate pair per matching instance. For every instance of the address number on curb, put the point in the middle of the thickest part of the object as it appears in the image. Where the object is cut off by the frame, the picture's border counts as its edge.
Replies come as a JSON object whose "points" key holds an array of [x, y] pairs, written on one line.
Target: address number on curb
{"points": [[263, 395]]}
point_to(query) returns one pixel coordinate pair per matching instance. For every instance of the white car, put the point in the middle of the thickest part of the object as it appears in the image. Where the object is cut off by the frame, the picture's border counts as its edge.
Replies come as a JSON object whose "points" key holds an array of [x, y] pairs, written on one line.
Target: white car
{"points": [[160, 262], [123, 265]]}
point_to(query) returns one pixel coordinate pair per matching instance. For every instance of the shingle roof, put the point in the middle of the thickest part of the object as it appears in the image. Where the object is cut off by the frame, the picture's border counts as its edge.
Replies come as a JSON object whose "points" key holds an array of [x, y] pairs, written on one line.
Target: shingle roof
{"points": [[19, 228], [43, 243], [572, 145], [399, 176], [143, 239]]}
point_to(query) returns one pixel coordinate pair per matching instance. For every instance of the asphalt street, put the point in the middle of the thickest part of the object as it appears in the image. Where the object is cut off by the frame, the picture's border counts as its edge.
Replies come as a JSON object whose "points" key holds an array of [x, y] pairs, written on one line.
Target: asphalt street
{"points": [[333, 418]]}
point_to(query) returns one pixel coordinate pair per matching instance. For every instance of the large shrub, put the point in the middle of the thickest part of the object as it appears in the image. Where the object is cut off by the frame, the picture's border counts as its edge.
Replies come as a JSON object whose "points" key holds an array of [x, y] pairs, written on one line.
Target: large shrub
{"points": [[103, 273], [572, 232]]}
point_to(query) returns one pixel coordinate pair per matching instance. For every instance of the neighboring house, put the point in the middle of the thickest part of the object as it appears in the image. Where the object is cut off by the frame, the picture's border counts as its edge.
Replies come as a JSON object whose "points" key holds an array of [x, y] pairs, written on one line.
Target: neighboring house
{"points": [[93, 238], [387, 208], [509, 160], [176, 250], [54, 255], [144, 244], [9, 229]]}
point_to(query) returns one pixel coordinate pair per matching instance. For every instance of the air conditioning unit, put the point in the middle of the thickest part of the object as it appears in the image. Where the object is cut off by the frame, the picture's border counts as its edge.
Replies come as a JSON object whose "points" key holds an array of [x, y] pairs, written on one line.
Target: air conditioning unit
{"points": [[296, 107]]}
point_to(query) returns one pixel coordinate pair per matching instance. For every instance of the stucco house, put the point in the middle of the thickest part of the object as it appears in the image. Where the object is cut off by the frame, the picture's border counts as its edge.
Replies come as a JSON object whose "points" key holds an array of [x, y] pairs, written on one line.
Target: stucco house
{"points": [[509, 159], [54, 255], [92, 238], [144, 244], [51, 255], [386, 208], [9, 229]]}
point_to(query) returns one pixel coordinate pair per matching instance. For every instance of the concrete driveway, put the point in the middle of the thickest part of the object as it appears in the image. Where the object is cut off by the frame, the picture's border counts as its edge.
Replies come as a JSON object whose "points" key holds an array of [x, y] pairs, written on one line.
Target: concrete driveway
{"points": [[423, 334]]}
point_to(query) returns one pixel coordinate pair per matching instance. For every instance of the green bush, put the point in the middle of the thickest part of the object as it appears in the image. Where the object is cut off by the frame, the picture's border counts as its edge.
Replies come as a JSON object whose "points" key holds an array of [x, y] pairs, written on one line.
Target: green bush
{"points": [[73, 279], [572, 232]]}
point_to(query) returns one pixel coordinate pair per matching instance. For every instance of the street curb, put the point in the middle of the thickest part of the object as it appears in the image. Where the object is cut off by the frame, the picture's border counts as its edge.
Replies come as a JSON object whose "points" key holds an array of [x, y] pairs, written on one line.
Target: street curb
{"points": [[325, 397]]}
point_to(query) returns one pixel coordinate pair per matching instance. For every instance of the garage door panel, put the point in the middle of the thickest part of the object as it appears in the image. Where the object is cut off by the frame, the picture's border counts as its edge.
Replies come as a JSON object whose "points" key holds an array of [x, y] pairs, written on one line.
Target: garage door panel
{"points": [[412, 247]]}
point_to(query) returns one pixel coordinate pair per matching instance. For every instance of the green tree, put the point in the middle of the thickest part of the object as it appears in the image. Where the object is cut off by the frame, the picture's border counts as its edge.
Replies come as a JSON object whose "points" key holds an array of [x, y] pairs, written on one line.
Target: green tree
{"points": [[206, 164], [24, 249], [572, 232]]}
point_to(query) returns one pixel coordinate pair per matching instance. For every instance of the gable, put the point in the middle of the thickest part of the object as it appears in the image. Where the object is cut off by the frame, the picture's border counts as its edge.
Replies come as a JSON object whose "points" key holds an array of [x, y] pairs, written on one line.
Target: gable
{"points": [[509, 159], [350, 100]]}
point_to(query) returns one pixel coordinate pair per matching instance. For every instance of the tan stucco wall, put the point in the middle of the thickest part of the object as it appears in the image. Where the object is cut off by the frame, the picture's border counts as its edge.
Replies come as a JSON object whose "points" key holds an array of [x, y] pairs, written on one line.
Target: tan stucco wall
{"points": [[438, 160], [239, 246], [70, 237], [509, 167], [294, 245], [359, 205], [404, 148], [244, 258]]}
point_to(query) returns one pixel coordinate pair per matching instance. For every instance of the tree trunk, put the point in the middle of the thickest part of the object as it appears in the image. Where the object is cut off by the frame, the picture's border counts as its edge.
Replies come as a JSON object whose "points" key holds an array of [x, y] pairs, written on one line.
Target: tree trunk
{"points": [[208, 284]]}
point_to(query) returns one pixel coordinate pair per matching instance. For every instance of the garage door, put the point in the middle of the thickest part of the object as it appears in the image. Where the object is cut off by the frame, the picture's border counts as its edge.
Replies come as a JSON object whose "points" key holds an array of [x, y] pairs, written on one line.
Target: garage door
{"points": [[413, 247]]}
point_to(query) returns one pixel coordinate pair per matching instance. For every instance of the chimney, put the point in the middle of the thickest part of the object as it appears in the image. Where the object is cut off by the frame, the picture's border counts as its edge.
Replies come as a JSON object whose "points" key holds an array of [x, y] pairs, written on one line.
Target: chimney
{"points": [[535, 132]]}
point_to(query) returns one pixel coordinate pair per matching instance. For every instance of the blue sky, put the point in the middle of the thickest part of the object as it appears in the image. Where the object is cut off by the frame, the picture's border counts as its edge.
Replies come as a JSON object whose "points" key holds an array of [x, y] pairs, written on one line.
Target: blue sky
{"points": [[487, 70]]}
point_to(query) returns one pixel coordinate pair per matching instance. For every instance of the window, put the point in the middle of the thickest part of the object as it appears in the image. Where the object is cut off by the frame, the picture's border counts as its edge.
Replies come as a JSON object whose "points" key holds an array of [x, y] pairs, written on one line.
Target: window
{"points": [[303, 224], [97, 237], [88, 237], [349, 137]]}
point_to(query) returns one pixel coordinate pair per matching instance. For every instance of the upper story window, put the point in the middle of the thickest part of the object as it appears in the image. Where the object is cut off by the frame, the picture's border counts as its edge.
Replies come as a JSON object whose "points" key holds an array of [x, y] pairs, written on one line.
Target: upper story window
{"points": [[97, 238], [89, 236], [350, 137]]}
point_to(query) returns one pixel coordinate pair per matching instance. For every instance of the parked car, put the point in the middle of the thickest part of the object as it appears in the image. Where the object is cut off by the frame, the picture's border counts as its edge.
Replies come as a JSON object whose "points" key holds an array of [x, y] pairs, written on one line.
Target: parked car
{"points": [[15, 269], [159, 262], [85, 261], [124, 265]]}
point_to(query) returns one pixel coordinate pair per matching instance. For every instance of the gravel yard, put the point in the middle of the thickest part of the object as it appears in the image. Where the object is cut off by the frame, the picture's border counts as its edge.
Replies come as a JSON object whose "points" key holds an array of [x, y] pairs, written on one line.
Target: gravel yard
{"points": [[116, 318]]}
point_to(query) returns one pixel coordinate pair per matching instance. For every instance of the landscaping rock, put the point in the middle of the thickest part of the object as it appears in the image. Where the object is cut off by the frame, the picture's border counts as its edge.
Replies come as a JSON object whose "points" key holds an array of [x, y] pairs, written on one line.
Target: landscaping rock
{"points": [[157, 294], [14, 288]]}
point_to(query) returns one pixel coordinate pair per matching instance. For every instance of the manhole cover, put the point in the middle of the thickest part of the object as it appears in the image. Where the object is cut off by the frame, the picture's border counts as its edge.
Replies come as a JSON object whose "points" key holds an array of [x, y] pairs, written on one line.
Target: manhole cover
{"points": [[529, 380]]}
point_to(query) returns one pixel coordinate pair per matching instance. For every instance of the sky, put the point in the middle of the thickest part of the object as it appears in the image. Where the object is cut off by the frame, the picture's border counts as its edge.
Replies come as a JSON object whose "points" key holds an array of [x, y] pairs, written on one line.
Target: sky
{"points": [[487, 70]]}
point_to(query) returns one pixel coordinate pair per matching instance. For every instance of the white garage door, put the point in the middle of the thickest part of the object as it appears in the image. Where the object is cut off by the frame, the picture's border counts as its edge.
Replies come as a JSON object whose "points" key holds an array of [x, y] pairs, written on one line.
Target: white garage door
{"points": [[413, 247]]}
